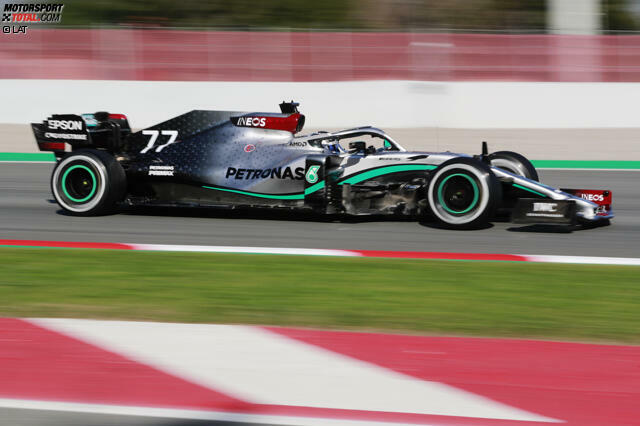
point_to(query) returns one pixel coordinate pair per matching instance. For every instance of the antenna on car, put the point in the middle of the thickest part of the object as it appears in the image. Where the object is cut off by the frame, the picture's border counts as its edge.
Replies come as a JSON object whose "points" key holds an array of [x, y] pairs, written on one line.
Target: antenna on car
{"points": [[484, 157], [289, 107]]}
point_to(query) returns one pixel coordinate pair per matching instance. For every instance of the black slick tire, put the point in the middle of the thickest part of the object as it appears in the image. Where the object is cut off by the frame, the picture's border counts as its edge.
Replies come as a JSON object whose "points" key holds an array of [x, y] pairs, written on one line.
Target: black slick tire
{"points": [[463, 193], [88, 182]]}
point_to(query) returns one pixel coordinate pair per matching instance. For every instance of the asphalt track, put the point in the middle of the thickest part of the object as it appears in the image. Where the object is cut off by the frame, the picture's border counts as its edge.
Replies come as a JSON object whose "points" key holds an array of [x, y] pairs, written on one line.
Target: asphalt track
{"points": [[28, 212], [25, 417]]}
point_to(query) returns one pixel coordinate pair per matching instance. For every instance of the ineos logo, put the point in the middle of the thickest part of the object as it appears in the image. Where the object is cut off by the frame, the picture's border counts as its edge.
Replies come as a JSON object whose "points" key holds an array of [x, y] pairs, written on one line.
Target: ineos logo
{"points": [[252, 121], [593, 197], [64, 124]]}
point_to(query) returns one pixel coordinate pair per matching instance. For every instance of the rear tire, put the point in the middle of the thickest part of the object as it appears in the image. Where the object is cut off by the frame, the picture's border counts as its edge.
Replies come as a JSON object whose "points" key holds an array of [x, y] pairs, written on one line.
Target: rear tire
{"points": [[88, 183], [515, 163], [464, 193]]}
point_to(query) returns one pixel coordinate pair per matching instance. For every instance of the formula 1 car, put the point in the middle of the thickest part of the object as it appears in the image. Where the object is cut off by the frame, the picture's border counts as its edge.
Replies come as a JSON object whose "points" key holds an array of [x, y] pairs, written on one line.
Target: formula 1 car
{"points": [[240, 159]]}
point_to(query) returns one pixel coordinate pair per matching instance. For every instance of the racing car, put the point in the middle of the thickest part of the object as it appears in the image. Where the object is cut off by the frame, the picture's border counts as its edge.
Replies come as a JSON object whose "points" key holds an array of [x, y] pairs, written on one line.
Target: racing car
{"points": [[255, 160]]}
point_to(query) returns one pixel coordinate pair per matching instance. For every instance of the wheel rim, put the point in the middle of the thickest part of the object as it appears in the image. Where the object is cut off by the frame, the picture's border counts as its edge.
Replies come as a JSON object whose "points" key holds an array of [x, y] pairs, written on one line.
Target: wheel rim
{"points": [[458, 193], [79, 183]]}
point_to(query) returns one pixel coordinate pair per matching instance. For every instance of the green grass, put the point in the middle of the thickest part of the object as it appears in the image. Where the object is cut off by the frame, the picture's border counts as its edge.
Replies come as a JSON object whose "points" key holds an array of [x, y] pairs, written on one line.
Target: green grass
{"points": [[575, 302]]}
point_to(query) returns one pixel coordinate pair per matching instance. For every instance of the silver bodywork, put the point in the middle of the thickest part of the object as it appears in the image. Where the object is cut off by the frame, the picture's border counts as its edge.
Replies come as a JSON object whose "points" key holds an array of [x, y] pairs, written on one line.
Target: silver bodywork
{"points": [[260, 166], [586, 210]]}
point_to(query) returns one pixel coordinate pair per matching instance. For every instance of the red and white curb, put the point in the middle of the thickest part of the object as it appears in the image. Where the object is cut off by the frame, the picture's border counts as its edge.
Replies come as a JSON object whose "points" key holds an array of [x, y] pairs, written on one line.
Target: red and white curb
{"points": [[595, 260], [267, 375]]}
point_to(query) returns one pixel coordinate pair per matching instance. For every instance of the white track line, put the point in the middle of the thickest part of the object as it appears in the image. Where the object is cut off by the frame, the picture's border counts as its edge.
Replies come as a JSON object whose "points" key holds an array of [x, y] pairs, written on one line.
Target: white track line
{"points": [[248, 250], [594, 260], [588, 260], [259, 366]]}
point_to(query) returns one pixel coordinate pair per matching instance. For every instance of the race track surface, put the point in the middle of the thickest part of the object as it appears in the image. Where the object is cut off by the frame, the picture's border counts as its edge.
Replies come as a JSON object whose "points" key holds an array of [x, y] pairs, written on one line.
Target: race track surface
{"points": [[56, 418], [28, 212]]}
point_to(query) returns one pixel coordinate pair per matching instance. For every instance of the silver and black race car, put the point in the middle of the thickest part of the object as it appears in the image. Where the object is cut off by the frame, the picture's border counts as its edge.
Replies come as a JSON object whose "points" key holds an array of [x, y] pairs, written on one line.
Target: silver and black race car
{"points": [[239, 159]]}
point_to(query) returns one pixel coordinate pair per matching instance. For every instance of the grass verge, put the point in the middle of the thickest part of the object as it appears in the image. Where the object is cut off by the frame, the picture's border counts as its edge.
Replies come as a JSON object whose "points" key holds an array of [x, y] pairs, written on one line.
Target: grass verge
{"points": [[576, 302]]}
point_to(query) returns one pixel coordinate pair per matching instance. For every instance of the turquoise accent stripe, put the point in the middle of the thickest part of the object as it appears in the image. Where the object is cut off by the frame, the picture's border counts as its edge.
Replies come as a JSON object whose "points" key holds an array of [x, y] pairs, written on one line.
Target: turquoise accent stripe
{"points": [[258, 195], [385, 170], [314, 188], [527, 189], [300, 196]]}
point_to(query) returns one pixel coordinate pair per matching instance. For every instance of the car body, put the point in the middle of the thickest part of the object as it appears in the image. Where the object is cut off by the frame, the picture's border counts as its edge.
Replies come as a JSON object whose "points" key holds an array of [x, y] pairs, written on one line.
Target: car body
{"points": [[242, 159]]}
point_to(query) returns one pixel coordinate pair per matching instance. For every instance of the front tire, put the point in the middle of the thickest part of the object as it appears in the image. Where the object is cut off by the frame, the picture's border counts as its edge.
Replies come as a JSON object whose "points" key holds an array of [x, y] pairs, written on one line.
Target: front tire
{"points": [[515, 163], [88, 183], [464, 193]]}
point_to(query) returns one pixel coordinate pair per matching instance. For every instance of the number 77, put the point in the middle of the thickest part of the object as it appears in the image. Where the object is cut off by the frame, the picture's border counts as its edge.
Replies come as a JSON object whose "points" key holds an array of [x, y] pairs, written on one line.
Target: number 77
{"points": [[173, 135]]}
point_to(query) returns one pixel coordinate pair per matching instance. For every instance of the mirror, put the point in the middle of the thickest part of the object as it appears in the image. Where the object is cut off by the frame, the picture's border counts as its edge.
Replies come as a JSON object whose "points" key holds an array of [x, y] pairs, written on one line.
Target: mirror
{"points": [[358, 146]]}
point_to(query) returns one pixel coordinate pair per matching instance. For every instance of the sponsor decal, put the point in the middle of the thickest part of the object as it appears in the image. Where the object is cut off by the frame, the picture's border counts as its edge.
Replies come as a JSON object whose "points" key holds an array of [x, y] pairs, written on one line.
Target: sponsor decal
{"points": [[601, 197], [16, 15], [545, 207], [275, 173], [312, 174], [538, 211], [390, 159], [249, 121], [545, 210], [68, 136], [297, 143], [161, 170], [592, 197], [64, 124], [545, 215], [291, 123], [249, 148]]}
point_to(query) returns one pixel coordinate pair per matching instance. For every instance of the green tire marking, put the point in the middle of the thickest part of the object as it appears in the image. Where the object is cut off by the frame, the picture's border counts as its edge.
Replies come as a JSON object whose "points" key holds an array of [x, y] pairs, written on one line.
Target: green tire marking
{"points": [[93, 186], [475, 194], [299, 196], [527, 189], [385, 170]]}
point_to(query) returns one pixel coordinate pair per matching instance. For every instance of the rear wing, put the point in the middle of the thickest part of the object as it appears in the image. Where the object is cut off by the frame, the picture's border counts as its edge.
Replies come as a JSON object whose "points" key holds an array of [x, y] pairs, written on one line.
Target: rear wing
{"points": [[66, 132]]}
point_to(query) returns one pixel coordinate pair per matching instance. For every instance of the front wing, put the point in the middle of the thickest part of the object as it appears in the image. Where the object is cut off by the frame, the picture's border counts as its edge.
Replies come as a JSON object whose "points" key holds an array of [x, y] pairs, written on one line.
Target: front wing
{"points": [[552, 205]]}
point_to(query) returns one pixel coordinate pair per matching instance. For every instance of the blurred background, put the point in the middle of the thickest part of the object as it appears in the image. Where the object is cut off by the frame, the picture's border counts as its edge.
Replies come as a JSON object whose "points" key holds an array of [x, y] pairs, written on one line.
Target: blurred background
{"points": [[525, 16], [434, 71], [287, 40]]}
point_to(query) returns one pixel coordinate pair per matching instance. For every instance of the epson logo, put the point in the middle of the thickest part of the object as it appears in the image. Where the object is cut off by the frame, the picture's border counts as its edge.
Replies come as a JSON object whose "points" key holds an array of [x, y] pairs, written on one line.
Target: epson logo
{"points": [[64, 125], [545, 207], [252, 121], [592, 197]]}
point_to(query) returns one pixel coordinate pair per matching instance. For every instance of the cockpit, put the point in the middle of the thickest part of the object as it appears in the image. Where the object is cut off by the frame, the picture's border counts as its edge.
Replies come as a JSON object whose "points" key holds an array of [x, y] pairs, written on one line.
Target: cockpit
{"points": [[362, 140]]}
